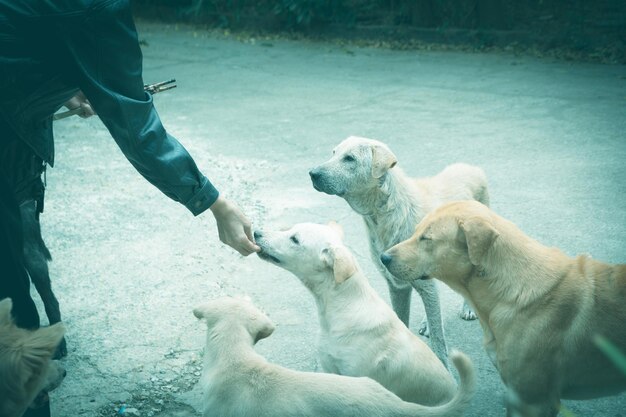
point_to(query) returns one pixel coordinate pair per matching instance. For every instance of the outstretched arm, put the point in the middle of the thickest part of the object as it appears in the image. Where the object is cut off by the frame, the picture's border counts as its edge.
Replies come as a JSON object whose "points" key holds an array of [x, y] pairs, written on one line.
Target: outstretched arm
{"points": [[105, 59]]}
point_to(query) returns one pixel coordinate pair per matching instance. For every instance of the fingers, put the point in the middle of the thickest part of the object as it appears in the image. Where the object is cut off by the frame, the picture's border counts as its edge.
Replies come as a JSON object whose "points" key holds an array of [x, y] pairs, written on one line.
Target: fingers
{"points": [[234, 228], [87, 110], [247, 228], [72, 103], [246, 247], [85, 105], [80, 101], [243, 244]]}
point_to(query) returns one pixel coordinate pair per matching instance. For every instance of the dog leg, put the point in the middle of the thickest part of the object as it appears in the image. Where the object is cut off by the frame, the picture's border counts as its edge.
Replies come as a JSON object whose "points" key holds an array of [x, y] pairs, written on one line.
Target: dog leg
{"points": [[37, 267], [36, 257], [467, 313], [50, 302], [400, 296], [38, 272], [430, 297]]}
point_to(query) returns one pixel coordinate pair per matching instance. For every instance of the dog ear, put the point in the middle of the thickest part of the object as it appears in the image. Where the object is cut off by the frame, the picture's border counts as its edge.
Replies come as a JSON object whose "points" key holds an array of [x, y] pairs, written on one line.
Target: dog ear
{"points": [[341, 261], [200, 312], [39, 346], [382, 160], [479, 234], [207, 313], [5, 310], [337, 228], [260, 327]]}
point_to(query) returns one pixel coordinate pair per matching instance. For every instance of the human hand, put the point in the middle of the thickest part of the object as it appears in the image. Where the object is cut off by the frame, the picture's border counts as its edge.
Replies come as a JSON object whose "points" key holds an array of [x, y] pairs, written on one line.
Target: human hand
{"points": [[79, 101], [233, 226]]}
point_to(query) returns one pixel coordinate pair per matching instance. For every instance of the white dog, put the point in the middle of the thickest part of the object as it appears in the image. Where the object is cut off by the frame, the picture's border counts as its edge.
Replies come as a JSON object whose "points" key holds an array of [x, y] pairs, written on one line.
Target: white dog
{"points": [[360, 334], [238, 382], [364, 173], [539, 308]]}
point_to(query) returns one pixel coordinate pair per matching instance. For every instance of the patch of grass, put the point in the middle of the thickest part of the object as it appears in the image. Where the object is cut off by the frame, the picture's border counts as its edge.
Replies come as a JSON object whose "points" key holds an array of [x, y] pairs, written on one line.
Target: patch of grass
{"points": [[565, 412], [611, 351]]}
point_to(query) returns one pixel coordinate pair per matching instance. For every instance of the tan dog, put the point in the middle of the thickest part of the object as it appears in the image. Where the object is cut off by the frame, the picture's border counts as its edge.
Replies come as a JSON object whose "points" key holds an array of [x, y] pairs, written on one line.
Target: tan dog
{"points": [[25, 365], [238, 382], [364, 172], [539, 309], [360, 335]]}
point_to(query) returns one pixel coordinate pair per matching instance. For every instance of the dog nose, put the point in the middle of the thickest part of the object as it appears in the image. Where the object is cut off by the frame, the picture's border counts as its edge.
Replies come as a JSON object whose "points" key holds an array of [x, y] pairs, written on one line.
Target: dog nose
{"points": [[258, 234], [385, 258], [314, 173]]}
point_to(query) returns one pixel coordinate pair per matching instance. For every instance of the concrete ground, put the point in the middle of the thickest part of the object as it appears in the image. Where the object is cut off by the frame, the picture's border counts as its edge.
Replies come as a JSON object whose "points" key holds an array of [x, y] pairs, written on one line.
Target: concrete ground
{"points": [[129, 264]]}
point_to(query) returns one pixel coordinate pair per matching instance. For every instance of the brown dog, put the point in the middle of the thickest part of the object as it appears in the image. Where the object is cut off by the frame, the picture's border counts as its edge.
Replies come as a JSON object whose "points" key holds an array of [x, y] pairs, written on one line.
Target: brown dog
{"points": [[25, 366], [539, 309]]}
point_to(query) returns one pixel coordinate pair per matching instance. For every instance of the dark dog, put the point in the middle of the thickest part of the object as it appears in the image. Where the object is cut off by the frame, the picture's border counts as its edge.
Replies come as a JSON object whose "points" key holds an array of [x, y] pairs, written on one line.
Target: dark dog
{"points": [[36, 258]]}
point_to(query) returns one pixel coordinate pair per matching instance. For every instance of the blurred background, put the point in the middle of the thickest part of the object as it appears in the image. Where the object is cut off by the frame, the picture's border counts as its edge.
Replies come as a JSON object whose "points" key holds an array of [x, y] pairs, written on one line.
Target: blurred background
{"points": [[570, 29]]}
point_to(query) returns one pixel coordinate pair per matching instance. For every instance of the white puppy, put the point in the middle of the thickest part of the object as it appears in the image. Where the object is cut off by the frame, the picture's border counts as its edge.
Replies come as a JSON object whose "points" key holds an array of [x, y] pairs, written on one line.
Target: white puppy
{"points": [[364, 173], [238, 382], [360, 334]]}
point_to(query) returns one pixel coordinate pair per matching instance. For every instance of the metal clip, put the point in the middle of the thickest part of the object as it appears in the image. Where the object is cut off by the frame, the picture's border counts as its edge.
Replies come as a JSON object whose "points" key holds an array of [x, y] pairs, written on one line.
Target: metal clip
{"points": [[158, 87]]}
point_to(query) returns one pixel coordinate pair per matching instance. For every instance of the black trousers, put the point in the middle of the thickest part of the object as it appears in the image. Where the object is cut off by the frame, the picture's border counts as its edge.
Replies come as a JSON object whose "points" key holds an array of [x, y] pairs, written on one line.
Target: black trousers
{"points": [[14, 280]]}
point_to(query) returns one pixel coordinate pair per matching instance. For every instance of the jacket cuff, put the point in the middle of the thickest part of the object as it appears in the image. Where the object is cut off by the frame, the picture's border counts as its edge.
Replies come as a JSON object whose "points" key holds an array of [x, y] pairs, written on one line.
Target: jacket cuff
{"points": [[203, 199]]}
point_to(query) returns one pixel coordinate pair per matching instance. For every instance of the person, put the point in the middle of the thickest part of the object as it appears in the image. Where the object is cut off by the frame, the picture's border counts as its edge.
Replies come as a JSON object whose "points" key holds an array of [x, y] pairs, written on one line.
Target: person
{"points": [[50, 50]]}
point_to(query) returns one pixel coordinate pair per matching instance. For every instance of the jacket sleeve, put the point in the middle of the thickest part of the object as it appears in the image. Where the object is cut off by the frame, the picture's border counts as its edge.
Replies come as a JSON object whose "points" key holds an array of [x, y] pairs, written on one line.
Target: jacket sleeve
{"points": [[104, 55]]}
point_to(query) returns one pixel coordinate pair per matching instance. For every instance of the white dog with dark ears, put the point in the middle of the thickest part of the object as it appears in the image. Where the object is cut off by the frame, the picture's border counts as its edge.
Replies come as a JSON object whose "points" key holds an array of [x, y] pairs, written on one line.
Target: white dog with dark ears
{"points": [[360, 334], [238, 382], [539, 309], [26, 368], [364, 172]]}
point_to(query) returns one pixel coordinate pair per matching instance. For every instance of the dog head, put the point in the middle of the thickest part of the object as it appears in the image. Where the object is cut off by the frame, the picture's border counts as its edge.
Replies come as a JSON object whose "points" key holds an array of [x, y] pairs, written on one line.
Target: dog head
{"points": [[357, 165], [25, 362], [448, 243], [314, 253], [236, 311]]}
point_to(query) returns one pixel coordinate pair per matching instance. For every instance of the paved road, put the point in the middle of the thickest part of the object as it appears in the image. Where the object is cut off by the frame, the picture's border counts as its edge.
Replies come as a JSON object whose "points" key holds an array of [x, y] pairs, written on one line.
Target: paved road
{"points": [[129, 264]]}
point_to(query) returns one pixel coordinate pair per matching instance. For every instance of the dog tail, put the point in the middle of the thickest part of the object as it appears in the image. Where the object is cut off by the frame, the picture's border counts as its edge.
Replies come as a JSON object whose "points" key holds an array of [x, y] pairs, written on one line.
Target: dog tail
{"points": [[461, 400]]}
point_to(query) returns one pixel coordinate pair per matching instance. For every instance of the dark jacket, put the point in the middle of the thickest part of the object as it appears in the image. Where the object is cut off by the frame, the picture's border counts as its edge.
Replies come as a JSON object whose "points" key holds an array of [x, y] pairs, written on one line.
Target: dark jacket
{"points": [[50, 49]]}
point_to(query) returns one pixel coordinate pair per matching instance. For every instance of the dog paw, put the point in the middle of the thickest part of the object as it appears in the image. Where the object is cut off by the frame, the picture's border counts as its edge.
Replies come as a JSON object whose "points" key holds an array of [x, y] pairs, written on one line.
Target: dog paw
{"points": [[423, 328], [467, 313]]}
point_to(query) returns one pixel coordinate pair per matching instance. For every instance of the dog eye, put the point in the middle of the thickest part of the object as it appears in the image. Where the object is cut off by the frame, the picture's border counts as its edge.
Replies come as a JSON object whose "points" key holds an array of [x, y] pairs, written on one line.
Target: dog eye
{"points": [[295, 240], [422, 238], [348, 158]]}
